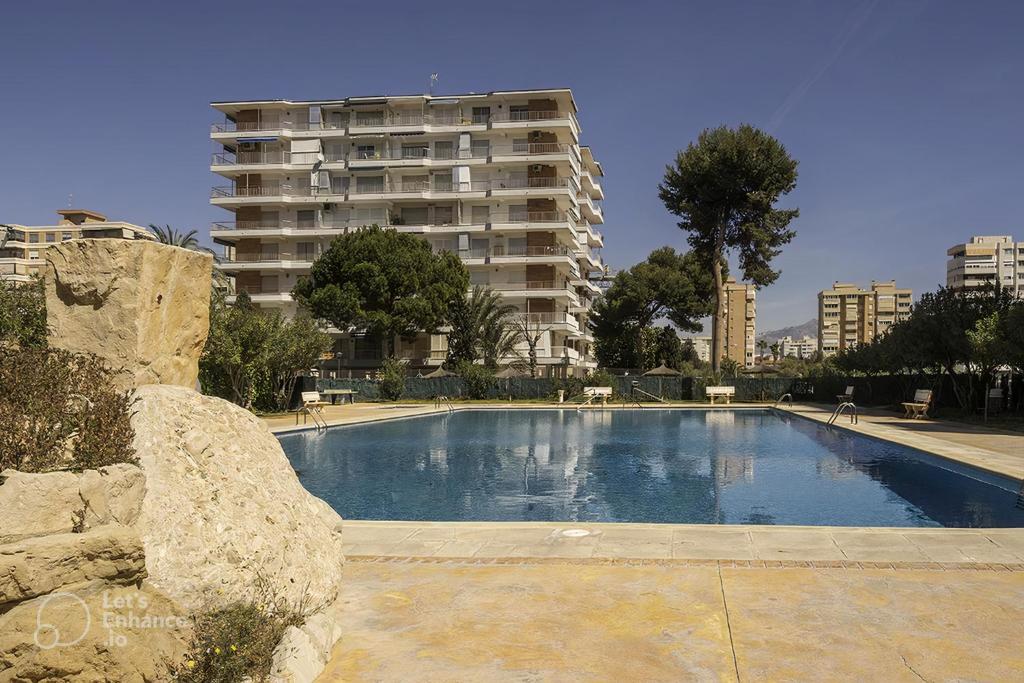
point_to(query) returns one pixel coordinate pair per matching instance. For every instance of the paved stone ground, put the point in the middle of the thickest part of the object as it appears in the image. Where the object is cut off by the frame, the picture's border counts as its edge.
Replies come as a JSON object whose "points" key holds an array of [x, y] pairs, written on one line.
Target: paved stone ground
{"points": [[584, 622]]}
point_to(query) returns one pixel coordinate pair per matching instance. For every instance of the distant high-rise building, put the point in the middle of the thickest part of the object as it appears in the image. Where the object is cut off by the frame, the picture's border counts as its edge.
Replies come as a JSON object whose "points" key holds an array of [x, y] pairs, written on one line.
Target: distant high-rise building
{"points": [[702, 345], [22, 256], [740, 321], [849, 315], [798, 348], [985, 260]]}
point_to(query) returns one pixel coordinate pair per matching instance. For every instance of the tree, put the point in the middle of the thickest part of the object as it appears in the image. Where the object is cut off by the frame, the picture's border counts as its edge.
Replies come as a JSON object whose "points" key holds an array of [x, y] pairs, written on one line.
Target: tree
{"points": [[482, 327], [253, 357], [775, 350], [762, 345], [663, 346], [724, 189], [22, 314], [530, 334], [667, 285], [296, 347], [185, 240], [386, 283]]}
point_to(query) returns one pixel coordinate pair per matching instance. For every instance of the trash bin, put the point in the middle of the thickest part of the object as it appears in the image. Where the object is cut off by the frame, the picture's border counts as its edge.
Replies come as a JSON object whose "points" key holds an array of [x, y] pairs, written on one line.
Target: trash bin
{"points": [[561, 395]]}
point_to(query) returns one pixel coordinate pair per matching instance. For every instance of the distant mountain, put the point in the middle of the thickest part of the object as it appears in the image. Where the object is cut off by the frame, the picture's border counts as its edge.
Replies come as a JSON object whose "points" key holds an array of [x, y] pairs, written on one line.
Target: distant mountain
{"points": [[808, 329]]}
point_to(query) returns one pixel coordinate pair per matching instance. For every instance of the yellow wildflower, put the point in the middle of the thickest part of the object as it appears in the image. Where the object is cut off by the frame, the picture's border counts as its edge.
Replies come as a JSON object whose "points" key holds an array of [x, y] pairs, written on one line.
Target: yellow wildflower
{"points": [[216, 650]]}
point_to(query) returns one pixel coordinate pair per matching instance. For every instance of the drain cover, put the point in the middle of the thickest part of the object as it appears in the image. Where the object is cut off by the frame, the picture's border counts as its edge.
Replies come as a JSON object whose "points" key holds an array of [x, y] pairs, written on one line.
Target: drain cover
{"points": [[575, 533]]}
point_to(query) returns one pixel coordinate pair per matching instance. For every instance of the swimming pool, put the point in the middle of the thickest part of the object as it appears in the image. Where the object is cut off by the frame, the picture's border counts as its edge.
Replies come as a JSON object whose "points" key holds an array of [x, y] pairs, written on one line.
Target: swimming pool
{"points": [[650, 465]]}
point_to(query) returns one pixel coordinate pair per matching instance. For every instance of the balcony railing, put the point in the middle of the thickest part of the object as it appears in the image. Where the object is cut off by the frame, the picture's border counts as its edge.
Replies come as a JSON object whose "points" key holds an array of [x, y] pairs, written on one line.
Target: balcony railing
{"points": [[547, 250], [528, 116], [530, 284], [553, 318], [396, 187], [256, 126]]}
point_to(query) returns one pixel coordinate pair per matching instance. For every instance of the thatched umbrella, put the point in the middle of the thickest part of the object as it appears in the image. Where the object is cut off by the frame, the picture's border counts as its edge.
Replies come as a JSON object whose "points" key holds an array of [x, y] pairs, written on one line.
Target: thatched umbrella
{"points": [[440, 372], [662, 371]]}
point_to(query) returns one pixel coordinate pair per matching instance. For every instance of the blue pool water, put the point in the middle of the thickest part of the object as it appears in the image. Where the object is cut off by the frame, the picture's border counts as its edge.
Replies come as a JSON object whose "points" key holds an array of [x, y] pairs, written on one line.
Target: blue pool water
{"points": [[703, 467]]}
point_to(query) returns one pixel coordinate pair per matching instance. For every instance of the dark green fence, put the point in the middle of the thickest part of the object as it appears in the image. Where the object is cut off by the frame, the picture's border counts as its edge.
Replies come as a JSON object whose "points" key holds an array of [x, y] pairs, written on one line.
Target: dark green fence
{"points": [[873, 391]]}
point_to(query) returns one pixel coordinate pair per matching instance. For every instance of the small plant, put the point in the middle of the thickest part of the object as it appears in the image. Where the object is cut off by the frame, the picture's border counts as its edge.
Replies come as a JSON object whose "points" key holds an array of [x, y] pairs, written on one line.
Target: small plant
{"points": [[61, 411], [22, 315], [237, 642], [392, 380], [479, 380]]}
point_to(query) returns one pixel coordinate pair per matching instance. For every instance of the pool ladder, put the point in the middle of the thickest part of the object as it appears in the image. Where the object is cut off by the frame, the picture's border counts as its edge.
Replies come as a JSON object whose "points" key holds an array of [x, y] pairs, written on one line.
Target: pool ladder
{"points": [[444, 401], [854, 419], [783, 398]]}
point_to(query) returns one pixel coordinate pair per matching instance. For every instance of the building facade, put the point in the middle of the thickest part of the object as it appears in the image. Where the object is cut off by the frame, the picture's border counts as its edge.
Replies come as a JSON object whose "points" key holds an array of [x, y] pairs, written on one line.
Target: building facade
{"points": [[702, 345], [849, 315], [805, 347], [498, 178], [986, 260], [740, 321], [21, 257]]}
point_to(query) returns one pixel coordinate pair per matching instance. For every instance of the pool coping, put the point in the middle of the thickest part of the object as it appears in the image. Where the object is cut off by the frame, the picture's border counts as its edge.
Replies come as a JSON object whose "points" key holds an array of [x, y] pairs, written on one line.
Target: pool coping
{"points": [[687, 544], [696, 544]]}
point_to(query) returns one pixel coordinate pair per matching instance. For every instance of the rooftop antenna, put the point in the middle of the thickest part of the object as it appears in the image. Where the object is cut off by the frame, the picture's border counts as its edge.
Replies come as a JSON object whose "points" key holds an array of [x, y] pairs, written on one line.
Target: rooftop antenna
{"points": [[433, 82]]}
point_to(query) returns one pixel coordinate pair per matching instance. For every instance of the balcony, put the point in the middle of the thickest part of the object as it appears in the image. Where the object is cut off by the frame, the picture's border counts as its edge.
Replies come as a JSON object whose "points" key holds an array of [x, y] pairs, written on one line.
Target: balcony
{"points": [[266, 262], [556, 251]]}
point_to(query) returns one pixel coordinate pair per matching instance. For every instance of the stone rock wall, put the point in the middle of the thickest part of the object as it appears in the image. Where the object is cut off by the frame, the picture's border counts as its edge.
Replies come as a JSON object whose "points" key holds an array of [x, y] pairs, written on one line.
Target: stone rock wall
{"points": [[141, 306], [224, 505], [73, 573]]}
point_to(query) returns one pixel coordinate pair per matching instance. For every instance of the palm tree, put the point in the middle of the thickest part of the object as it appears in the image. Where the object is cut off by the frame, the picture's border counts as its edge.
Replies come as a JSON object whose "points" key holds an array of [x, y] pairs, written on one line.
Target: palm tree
{"points": [[481, 328], [762, 345], [185, 240]]}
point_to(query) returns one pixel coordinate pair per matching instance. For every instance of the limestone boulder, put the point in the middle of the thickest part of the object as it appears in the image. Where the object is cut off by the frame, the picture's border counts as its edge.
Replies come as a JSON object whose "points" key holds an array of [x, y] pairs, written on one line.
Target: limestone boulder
{"points": [[59, 502], [125, 633], [223, 506], [36, 566], [142, 307]]}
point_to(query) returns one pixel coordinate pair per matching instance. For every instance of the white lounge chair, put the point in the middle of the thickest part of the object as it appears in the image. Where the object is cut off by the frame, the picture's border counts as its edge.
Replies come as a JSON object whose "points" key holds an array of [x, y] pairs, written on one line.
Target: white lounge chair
{"points": [[918, 408], [313, 406], [845, 397]]}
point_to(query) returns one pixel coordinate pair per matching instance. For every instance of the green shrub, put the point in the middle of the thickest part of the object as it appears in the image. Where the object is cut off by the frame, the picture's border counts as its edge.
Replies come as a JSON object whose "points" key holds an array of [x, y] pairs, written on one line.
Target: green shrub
{"points": [[478, 378], [61, 410], [237, 642], [392, 380], [572, 386], [22, 314]]}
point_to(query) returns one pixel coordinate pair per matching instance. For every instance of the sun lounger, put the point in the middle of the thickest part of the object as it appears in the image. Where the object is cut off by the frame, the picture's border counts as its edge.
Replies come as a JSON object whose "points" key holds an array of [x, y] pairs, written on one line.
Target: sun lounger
{"points": [[845, 397]]}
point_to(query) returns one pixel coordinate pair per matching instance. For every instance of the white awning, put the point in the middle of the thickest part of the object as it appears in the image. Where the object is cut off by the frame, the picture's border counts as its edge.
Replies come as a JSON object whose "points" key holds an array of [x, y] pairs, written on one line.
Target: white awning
{"points": [[306, 145]]}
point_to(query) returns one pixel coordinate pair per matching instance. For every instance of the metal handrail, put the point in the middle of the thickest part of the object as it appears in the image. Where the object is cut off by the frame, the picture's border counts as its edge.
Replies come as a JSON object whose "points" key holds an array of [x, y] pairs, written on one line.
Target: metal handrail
{"points": [[854, 418], [444, 401], [783, 398]]}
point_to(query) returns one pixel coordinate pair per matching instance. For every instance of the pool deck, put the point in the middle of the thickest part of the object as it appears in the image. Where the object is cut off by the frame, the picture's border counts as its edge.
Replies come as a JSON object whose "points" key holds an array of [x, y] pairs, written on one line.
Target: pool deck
{"points": [[426, 601]]}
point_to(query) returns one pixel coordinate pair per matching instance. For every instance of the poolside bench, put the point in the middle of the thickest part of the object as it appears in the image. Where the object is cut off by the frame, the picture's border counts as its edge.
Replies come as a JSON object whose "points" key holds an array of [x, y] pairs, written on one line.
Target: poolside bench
{"points": [[335, 393], [715, 392], [918, 408]]}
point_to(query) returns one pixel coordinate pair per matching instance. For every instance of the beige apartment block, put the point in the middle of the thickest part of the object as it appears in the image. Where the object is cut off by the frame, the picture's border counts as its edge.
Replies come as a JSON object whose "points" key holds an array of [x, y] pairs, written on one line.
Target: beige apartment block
{"points": [[702, 345], [849, 315], [986, 260], [804, 347], [740, 321], [22, 256], [498, 178]]}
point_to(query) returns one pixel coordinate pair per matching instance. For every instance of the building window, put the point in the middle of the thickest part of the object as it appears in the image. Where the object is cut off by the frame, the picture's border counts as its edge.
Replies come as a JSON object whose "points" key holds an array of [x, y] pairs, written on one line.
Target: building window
{"points": [[306, 251], [481, 114], [51, 237], [65, 236], [33, 238], [519, 112], [366, 151]]}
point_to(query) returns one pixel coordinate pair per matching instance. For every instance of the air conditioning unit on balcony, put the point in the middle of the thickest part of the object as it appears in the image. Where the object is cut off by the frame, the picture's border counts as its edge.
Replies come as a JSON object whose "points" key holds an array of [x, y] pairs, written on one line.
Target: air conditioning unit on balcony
{"points": [[536, 168]]}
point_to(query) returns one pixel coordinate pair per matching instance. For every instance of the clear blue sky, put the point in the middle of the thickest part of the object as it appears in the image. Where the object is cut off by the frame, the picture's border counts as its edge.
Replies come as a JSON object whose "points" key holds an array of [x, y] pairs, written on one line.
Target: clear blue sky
{"points": [[906, 115]]}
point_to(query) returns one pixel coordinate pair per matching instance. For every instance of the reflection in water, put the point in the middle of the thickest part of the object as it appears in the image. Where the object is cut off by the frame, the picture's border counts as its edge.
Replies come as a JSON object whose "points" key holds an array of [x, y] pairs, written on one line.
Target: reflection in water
{"points": [[720, 467]]}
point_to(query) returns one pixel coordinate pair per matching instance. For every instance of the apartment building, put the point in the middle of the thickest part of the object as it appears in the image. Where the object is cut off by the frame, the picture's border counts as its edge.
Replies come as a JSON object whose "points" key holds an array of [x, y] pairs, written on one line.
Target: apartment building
{"points": [[740, 321], [499, 178], [986, 259], [702, 345], [21, 257], [849, 315], [804, 347]]}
